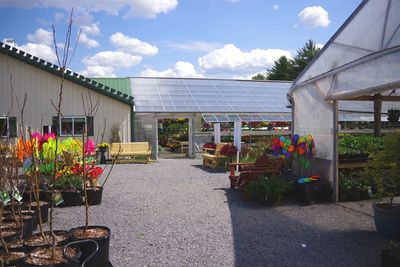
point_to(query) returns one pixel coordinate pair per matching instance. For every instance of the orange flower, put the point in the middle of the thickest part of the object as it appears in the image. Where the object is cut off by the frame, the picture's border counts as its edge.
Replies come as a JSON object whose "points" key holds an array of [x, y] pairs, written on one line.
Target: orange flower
{"points": [[24, 149]]}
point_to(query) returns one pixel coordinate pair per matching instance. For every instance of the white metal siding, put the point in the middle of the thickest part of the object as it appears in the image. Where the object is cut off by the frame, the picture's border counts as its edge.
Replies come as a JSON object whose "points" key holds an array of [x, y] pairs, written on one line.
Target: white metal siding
{"points": [[43, 87]]}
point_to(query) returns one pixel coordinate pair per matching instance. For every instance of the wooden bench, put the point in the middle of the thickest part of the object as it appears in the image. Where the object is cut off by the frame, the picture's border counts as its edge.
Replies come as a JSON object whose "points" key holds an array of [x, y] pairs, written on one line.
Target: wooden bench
{"points": [[131, 152], [184, 147], [212, 158]]}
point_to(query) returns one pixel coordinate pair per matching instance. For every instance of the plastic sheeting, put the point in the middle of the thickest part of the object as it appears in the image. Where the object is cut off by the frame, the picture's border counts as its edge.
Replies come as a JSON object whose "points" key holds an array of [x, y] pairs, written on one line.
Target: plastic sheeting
{"points": [[361, 58], [209, 95]]}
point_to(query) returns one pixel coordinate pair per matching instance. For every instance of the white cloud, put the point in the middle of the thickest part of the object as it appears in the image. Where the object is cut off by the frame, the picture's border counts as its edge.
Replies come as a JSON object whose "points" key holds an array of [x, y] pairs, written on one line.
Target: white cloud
{"points": [[314, 16], [89, 42], [149, 8], [41, 36], [232, 58], [86, 30], [133, 45], [317, 45], [275, 7], [42, 51], [192, 46], [92, 29], [113, 59], [104, 64], [98, 71], [136, 8], [181, 69]]}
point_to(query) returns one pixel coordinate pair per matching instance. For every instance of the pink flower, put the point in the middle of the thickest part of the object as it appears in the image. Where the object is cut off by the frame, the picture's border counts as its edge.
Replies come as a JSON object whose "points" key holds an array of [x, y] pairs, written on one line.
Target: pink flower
{"points": [[48, 135], [89, 147]]}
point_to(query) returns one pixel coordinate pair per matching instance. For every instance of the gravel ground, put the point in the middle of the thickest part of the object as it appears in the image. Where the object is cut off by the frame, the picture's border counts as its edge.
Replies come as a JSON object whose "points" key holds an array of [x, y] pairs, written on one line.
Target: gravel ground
{"points": [[173, 213]]}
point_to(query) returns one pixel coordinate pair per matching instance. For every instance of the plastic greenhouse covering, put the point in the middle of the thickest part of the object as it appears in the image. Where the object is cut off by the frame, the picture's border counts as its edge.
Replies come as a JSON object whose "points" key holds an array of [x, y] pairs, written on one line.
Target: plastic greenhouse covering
{"points": [[362, 58], [209, 95]]}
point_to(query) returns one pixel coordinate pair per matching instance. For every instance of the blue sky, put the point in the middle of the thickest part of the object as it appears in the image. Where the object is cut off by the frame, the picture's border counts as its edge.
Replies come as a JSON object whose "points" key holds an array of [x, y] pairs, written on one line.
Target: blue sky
{"points": [[175, 38]]}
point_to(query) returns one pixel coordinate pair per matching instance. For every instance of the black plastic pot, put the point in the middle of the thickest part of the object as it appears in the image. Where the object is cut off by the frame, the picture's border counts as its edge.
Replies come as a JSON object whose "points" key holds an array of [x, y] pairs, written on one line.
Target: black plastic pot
{"points": [[71, 198], [34, 215], [10, 234], [100, 259], [27, 221], [17, 261], [90, 246], [387, 219], [44, 210], [94, 195], [389, 258], [30, 247], [15, 246], [67, 263], [313, 192], [9, 206], [45, 196]]}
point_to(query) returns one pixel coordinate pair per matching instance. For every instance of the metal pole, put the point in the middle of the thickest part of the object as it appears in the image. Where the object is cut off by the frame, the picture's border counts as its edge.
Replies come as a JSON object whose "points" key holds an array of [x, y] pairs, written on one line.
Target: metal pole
{"points": [[335, 158]]}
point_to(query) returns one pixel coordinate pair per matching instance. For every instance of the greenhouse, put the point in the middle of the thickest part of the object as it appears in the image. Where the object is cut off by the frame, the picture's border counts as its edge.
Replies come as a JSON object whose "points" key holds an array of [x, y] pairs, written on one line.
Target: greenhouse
{"points": [[213, 101], [359, 64], [208, 100]]}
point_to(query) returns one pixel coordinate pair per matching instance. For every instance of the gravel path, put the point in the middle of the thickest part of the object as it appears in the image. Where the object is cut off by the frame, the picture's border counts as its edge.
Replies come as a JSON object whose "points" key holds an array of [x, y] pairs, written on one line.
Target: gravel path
{"points": [[173, 213]]}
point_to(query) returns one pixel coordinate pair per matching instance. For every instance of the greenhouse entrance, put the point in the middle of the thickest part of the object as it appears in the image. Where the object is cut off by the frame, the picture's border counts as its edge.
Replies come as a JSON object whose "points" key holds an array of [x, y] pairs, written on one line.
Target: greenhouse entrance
{"points": [[173, 138]]}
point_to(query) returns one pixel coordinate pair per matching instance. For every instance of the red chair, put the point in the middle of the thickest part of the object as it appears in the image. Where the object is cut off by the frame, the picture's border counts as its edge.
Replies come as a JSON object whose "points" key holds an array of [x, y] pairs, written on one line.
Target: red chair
{"points": [[251, 171]]}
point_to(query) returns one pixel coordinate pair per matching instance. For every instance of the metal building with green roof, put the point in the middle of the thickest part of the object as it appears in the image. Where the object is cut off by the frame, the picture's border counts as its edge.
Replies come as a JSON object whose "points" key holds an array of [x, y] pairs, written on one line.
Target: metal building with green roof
{"points": [[22, 73]]}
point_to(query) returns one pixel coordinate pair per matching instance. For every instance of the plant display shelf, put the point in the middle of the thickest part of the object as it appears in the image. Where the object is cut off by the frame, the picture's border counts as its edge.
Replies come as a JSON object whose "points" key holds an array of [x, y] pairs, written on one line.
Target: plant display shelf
{"points": [[352, 165]]}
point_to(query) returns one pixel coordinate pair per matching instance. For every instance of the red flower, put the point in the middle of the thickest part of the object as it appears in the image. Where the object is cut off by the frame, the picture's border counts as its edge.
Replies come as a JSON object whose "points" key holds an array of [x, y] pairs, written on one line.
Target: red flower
{"points": [[228, 150], [210, 145]]}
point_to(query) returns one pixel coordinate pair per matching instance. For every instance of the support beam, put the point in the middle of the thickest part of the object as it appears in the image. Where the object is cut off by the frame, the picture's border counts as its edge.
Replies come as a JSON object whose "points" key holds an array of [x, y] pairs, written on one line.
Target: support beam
{"points": [[371, 98], [377, 114], [335, 159]]}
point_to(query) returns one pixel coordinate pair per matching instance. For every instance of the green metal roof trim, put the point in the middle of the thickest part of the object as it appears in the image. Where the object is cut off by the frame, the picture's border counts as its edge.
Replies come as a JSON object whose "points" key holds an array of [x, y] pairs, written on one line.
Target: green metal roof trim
{"points": [[121, 84], [68, 75]]}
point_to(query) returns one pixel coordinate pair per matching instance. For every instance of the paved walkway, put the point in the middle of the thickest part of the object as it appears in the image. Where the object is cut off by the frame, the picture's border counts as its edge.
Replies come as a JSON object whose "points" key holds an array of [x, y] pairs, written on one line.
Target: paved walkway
{"points": [[173, 213]]}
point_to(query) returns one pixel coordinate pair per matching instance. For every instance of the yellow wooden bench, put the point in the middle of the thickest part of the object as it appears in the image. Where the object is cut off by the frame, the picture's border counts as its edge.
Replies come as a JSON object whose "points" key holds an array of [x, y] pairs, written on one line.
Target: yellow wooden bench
{"points": [[131, 152], [212, 158]]}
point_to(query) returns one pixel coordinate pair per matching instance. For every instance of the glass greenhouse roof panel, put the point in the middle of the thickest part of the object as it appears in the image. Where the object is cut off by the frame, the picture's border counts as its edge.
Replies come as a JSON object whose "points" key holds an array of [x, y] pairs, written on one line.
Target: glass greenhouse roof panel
{"points": [[209, 95]]}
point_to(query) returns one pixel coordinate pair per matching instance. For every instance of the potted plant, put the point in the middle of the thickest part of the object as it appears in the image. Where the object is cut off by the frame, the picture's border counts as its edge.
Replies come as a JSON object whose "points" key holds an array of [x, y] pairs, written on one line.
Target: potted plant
{"points": [[103, 148], [269, 190], [386, 173]]}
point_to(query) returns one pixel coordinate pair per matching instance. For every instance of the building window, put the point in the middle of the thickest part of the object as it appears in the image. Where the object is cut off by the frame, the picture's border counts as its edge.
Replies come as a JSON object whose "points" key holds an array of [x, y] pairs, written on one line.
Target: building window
{"points": [[72, 126], [8, 127], [3, 126]]}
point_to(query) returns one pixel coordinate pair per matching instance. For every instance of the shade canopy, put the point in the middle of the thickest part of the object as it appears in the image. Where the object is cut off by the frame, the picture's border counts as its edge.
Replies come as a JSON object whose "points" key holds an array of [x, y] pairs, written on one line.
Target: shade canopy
{"points": [[209, 95]]}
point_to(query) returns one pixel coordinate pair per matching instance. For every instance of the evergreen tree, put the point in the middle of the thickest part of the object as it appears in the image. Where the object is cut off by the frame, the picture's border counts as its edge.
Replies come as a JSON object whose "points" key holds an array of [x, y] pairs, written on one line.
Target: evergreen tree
{"points": [[281, 70], [259, 77], [288, 69], [304, 56]]}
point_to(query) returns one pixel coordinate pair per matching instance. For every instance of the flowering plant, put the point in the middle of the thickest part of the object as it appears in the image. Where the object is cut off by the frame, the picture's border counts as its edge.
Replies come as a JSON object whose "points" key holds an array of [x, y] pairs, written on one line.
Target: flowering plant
{"points": [[228, 150], [103, 146], [210, 145]]}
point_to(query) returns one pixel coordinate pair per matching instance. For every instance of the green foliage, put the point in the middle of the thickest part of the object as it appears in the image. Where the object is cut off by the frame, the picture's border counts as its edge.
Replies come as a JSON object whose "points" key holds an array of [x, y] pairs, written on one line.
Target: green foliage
{"points": [[270, 189], [68, 182], [352, 181], [386, 167], [350, 144], [259, 77], [304, 56], [281, 70], [288, 69]]}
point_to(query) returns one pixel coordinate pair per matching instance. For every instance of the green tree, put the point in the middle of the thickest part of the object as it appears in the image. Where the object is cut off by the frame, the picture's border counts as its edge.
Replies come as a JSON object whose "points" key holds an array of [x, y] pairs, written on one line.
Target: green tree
{"points": [[281, 70], [259, 77], [288, 69], [304, 56]]}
